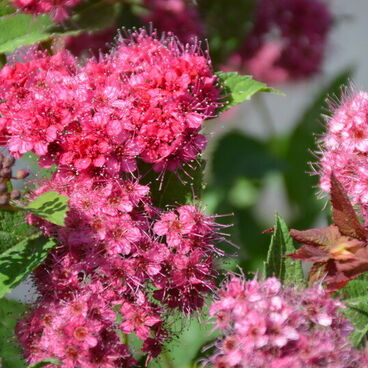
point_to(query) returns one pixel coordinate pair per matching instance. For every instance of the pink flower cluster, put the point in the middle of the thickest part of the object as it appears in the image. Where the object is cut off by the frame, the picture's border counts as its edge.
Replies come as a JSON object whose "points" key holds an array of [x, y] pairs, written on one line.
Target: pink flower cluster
{"points": [[116, 254], [121, 266], [267, 325], [147, 99], [345, 149], [178, 16], [58, 9], [287, 41]]}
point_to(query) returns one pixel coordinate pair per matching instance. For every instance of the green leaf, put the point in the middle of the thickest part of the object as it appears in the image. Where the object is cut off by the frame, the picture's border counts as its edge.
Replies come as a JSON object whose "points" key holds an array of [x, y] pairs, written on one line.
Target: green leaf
{"points": [[21, 30], [45, 362], [239, 88], [298, 154], [13, 228], [357, 313], [10, 354], [285, 269], [6, 8], [172, 188], [355, 297], [20, 260], [51, 206]]}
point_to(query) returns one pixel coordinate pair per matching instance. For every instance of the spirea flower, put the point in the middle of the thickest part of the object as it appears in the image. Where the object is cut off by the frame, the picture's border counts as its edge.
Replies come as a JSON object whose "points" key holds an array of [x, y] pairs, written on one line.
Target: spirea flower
{"points": [[344, 149], [268, 325], [180, 17], [121, 266], [142, 262], [58, 9], [287, 41], [147, 99]]}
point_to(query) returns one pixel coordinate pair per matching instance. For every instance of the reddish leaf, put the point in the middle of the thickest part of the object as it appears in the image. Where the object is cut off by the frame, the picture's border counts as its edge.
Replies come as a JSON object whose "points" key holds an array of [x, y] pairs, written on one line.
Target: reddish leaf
{"points": [[343, 213], [354, 267], [309, 253], [324, 237]]}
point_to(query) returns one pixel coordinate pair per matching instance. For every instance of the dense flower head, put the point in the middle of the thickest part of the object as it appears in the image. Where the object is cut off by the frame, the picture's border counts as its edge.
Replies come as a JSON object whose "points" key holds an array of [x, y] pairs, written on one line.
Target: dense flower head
{"points": [[58, 9], [344, 149], [268, 325], [178, 16], [78, 332], [147, 99], [142, 262], [287, 41]]}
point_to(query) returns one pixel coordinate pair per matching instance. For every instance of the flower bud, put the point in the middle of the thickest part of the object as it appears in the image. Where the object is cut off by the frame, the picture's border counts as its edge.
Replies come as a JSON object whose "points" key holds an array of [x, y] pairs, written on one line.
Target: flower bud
{"points": [[3, 188], [4, 200], [9, 161], [15, 194], [21, 174], [5, 173]]}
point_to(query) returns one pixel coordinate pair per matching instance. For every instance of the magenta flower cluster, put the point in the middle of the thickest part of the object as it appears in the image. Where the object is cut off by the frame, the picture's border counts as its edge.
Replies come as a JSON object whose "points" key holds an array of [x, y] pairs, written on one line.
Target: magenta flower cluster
{"points": [[121, 266], [344, 149], [147, 99], [268, 325], [287, 41]]}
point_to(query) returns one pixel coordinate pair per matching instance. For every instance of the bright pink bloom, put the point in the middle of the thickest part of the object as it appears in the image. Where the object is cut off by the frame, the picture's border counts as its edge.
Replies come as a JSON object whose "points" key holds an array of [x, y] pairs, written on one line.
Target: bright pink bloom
{"points": [[147, 99]]}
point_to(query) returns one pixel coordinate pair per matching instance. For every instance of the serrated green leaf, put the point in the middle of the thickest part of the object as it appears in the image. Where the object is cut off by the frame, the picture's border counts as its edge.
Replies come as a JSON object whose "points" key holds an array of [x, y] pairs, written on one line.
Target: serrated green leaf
{"points": [[357, 313], [10, 354], [51, 206], [45, 362], [21, 30], [239, 88], [13, 228], [20, 260], [285, 269], [355, 296]]}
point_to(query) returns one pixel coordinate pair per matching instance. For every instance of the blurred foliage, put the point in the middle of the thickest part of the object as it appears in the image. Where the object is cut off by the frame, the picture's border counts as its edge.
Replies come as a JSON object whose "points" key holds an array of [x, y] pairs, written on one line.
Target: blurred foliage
{"points": [[192, 336], [10, 356], [226, 25]]}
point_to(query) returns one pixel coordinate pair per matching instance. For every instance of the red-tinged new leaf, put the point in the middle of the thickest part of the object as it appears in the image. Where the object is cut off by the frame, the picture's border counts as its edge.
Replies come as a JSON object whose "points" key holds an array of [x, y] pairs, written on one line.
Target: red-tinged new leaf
{"points": [[356, 266], [309, 253], [325, 237], [343, 213]]}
